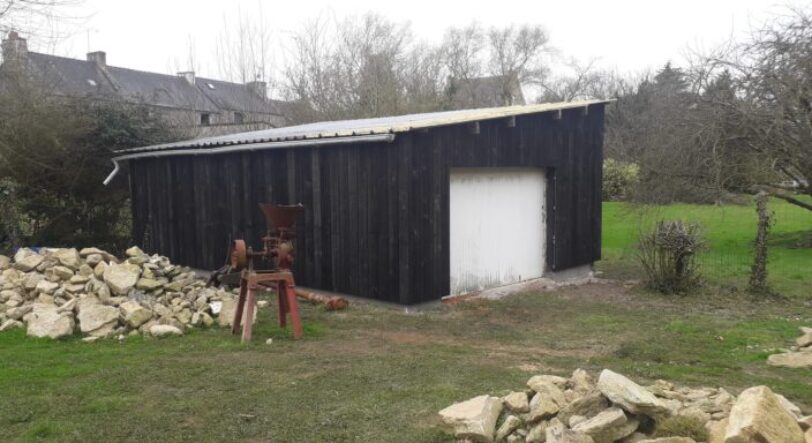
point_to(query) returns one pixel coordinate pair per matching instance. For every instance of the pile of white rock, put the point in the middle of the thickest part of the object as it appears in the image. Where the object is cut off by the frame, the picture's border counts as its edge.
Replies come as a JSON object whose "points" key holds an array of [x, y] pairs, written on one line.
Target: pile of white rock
{"points": [[798, 356], [615, 409], [55, 291]]}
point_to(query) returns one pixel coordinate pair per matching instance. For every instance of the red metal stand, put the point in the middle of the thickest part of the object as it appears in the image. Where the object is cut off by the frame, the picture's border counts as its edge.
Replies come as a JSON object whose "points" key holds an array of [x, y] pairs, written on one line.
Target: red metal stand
{"points": [[282, 282]]}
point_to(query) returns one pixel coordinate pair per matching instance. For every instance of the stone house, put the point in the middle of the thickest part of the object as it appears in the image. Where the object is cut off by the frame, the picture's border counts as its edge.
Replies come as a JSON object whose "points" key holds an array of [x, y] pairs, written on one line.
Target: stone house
{"points": [[195, 105]]}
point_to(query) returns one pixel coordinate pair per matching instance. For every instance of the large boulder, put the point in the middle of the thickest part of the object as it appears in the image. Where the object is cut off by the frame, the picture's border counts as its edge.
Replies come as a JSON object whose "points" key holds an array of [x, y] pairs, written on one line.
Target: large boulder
{"points": [[474, 419], [97, 320], [45, 321], [758, 416], [630, 396], [791, 360], [134, 314], [121, 277], [5, 262]]}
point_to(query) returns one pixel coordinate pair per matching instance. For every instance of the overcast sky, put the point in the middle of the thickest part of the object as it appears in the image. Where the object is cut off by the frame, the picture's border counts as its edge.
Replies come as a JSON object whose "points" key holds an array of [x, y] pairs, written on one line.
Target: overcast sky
{"points": [[628, 35]]}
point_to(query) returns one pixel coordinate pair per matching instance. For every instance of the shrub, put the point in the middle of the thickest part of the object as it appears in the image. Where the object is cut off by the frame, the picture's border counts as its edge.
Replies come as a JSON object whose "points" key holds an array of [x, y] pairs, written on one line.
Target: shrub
{"points": [[54, 155], [619, 179], [668, 255]]}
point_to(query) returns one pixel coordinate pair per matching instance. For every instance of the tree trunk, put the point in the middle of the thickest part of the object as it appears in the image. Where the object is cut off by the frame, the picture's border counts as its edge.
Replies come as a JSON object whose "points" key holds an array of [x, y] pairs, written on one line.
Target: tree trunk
{"points": [[758, 272]]}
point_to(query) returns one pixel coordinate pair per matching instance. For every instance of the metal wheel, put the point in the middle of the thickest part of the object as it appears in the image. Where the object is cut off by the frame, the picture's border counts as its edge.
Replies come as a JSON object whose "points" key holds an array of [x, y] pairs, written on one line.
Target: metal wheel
{"points": [[239, 255]]}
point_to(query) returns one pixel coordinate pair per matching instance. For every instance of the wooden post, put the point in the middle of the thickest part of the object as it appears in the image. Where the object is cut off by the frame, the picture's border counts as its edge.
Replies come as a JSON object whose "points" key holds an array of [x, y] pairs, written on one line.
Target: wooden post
{"points": [[250, 304], [235, 325]]}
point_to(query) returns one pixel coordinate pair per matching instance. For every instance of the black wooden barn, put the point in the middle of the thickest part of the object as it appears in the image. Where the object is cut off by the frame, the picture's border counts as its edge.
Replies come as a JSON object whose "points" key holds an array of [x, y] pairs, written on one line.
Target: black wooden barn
{"points": [[402, 209]]}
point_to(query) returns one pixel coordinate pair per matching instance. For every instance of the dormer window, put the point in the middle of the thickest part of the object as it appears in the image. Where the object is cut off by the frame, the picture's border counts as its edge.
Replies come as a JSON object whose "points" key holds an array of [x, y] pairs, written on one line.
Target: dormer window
{"points": [[205, 119]]}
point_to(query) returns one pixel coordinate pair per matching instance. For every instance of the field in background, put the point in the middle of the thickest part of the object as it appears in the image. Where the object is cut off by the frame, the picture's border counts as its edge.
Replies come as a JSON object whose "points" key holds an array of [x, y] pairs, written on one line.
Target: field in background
{"points": [[730, 231]]}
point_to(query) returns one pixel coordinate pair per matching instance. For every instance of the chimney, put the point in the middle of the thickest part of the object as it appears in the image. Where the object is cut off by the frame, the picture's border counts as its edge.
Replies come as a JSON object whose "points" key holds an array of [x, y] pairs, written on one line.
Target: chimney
{"points": [[15, 48], [98, 57], [189, 76], [259, 88]]}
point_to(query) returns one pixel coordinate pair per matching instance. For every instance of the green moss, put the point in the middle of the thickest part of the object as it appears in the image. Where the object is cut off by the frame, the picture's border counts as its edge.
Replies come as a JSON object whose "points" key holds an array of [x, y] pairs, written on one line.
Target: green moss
{"points": [[679, 426]]}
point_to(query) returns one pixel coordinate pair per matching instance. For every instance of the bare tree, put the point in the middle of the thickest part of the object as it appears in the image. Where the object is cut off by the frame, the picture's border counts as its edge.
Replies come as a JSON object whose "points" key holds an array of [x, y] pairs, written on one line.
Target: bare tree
{"points": [[360, 67], [516, 54], [771, 109], [462, 51], [38, 18]]}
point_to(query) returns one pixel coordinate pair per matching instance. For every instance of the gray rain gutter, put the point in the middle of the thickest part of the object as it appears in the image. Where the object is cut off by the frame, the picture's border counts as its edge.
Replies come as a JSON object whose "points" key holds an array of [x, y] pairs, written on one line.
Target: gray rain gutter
{"points": [[388, 138]]}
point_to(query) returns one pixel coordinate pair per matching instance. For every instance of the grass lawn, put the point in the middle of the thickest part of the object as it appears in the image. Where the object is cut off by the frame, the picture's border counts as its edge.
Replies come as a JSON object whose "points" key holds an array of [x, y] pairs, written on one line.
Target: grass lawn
{"points": [[373, 373], [730, 231]]}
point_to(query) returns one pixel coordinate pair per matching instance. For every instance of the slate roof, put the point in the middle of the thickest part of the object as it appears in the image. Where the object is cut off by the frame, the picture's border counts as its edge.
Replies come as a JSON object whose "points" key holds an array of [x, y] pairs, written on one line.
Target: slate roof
{"points": [[363, 127], [80, 78]]}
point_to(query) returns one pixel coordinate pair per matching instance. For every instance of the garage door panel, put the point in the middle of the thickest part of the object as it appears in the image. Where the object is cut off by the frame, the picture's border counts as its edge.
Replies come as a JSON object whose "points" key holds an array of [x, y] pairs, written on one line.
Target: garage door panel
{"points": [[496, 227]]}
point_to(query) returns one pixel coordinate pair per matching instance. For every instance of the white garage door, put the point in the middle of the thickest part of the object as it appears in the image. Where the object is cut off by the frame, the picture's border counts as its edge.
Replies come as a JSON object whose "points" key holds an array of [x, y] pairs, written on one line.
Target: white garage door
{"points": [[497, 227]]}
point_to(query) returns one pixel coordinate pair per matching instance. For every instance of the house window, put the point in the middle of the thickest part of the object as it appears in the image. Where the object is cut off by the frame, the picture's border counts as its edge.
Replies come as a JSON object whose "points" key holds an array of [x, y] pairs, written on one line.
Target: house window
{"points": [[239, 118], [205, 119]]}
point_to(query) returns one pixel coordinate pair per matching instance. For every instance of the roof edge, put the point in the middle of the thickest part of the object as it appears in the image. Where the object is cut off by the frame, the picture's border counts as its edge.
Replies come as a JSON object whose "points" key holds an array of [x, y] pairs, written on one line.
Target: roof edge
{"points": [[450, 118]]}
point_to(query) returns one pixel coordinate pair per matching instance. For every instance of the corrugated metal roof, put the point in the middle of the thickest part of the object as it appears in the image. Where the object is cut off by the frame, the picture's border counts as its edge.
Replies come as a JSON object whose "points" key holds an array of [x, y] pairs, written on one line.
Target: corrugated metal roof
{"points": [[368, 126]]}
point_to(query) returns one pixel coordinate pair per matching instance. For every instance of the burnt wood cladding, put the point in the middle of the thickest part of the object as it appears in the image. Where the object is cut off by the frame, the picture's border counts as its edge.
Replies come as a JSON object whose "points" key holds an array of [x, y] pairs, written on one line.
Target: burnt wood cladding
{"points": [[376, 222]]}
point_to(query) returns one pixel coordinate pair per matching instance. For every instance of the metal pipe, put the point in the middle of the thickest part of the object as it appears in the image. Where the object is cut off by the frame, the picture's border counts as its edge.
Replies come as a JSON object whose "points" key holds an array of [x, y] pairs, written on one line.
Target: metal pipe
{"points": [[112, 173], [388, 138], [331, 303]]}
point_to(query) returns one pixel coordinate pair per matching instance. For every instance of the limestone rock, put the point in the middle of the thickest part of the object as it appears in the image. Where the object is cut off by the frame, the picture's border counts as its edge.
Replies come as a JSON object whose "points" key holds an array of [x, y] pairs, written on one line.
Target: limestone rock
{"points": [[5, 262], [45, 321], [636, 437], [789, 406], [516, 402], [558, 433], [510, 424], [581, 381], [11, 324], [547, 402], [791, 359], [97, 319], [56, 273], [164, 330], [29, 263], [669, 440], [630, 396], [134, 314], [148, 284], [539, 380], [121, 278], [67, 257], [474, 419], [758, 416], [226, 316], [538, 433], [804, 340], [608, 426], [46, 287], [134, 251], [587, 406]]}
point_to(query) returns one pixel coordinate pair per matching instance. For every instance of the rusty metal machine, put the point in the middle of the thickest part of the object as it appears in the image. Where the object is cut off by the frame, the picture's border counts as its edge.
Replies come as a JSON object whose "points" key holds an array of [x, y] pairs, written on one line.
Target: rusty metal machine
{"points": [[269, 268]]}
